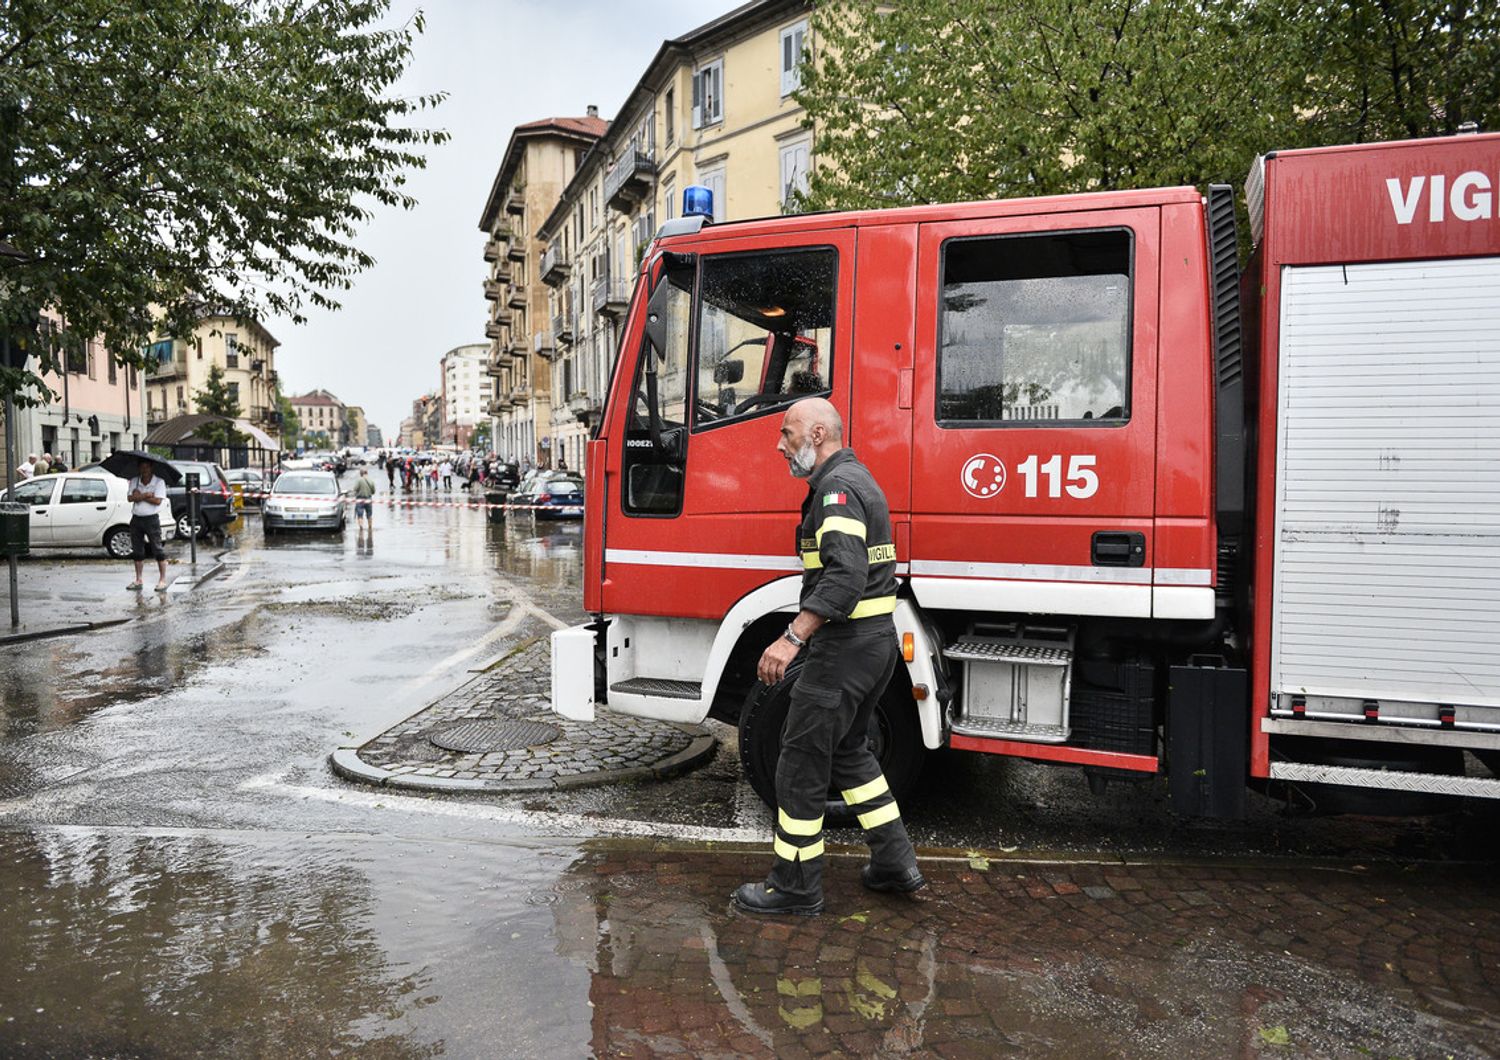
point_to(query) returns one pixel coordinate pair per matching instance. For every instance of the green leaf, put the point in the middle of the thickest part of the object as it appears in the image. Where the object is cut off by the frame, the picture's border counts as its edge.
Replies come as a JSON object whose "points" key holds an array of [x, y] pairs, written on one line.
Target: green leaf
{"points": [[1276, 1035]]}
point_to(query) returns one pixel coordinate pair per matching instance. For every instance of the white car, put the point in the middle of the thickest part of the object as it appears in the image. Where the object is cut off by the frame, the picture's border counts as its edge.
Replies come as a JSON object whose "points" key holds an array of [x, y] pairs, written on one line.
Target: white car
{"points": [[80, 509], [304, 499]]}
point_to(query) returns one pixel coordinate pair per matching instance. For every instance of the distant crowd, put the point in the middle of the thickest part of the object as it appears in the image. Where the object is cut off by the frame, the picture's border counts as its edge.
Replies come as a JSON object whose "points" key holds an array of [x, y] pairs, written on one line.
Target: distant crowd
{"points": [[46, 464]]}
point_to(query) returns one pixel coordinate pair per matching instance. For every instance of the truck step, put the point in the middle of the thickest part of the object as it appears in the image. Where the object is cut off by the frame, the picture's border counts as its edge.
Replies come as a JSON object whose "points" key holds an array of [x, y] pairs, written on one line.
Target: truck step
{"points": [[1351, 776], [660, 687], [997, 729], [996, 650]]}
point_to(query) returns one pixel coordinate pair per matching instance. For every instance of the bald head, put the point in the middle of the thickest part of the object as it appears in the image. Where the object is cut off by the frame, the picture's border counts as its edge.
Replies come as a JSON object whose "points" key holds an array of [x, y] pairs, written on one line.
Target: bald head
{"points": [[811, 432]]}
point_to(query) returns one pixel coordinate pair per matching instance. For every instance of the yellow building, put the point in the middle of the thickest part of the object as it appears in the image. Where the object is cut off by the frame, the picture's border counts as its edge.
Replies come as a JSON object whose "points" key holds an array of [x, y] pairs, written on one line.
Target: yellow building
{"points": [[714, 107], [245, 351], [540, 160], [356, 427]]}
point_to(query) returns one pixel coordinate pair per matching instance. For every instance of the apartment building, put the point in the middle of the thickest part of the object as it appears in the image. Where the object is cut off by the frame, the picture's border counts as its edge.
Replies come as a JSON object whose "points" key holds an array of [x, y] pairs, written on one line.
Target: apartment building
{"points": [[356, 426], [539, 161], [465, 392], [99, 407], [321, 419], [713, 107], [244, 350]]}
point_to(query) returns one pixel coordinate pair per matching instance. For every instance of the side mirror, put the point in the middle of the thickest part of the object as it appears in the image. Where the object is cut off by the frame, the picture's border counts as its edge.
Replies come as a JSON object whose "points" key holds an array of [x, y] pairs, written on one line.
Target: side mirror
{"points": [[728, 373]]}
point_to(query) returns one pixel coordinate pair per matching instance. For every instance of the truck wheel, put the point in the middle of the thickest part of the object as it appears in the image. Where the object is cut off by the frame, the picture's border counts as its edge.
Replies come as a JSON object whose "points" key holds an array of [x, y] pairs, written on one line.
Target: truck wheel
{"points": [[117, 542], [895, 737]]}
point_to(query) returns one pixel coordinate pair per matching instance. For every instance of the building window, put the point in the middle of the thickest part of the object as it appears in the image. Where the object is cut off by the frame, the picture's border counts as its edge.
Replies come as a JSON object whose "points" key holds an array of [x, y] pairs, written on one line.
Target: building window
{"points": [[234, 393], [669, 116], [75, 356], [1035, 328], [669, 199], [713, 180], [89, 351], [792, 41], [231, 351], [198, 345], [795, 159], [114, 372], [708, 95], [181, 403]]}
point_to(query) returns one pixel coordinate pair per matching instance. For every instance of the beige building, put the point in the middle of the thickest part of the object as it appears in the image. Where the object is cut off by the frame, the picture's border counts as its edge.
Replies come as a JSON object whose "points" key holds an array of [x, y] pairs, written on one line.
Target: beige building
{"points": [[540, 160], [715, 108], [246, 352], [320, 418], [356, 427]]}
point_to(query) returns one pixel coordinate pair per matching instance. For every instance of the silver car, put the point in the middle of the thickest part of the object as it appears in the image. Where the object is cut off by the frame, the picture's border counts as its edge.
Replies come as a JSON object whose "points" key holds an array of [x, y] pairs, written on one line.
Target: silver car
{"points": [[309, 500]]}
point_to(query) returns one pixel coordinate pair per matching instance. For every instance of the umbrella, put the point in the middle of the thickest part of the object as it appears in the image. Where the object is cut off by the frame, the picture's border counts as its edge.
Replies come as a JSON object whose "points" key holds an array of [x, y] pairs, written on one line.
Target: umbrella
{"points": [[126, 464]]}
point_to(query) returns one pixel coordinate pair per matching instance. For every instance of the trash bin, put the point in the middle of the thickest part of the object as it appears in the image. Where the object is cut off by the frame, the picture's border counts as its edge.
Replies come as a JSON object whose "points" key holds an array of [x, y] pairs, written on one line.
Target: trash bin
{"points": [[493, 498], [15, 529]]}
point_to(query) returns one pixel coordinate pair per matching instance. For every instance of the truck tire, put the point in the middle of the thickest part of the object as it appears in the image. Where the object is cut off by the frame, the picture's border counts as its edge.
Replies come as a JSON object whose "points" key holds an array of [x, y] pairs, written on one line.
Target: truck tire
{"points": [[894, 731], [117, 542]]}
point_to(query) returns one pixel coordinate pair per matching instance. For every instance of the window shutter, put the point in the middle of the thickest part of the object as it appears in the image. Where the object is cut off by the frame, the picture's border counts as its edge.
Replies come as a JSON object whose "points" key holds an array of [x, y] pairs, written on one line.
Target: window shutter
{"points": [[698, 99]]}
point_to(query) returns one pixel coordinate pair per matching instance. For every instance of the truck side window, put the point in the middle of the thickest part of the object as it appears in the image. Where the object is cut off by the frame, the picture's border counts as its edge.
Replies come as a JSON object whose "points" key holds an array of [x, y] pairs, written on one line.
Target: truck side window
{"points": [[1035, 329], [653, 481], [765, 331]]}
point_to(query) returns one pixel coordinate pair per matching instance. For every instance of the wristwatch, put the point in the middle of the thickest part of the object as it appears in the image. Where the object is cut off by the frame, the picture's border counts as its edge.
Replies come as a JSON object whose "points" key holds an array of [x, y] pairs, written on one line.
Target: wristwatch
{"points": [[791, 636]]}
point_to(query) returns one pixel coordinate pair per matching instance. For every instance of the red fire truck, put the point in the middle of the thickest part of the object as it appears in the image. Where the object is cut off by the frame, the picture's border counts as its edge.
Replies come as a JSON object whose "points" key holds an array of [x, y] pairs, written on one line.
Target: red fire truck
{"points": [[1154, 513]]}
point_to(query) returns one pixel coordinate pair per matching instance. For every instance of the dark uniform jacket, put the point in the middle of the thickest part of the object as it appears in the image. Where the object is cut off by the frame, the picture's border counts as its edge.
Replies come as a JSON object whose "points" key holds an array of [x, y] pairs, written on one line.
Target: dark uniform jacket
{"points": [[848, 550]]}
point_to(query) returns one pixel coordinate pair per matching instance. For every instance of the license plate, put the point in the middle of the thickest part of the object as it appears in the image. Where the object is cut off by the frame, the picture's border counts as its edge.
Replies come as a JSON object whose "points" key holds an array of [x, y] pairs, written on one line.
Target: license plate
{"points": [[572, 511], [301, 517]]}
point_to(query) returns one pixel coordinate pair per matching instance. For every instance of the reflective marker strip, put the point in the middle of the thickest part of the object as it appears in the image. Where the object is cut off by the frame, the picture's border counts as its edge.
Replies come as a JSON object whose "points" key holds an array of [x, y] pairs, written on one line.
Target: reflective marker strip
{"points": [[841, 524], [866, 792], [880, 605], [875, 818], [875, 553], [722, 560], [797, 826], [811, 561], [786, 852]]}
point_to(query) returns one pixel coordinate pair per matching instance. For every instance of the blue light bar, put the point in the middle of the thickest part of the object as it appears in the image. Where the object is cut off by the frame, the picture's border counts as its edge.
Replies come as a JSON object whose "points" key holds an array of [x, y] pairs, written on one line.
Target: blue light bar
{"points": [[698, 201]]}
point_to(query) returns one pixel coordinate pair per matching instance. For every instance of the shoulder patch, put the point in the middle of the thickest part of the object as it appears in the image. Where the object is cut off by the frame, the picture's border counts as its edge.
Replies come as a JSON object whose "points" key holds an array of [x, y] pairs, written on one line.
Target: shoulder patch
{"points": [[835, 498]]}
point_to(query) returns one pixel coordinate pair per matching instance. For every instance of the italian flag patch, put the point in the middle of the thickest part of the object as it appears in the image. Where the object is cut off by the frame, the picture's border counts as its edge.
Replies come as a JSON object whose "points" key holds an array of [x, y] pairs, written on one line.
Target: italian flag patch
{"points": [[835, 498]]}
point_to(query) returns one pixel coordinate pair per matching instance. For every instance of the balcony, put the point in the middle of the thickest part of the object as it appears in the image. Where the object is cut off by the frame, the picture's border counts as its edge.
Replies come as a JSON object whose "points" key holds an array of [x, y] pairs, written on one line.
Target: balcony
{"points": [[518, 344], [517, 249], [520, 395], [501, 272], [610, 298], [517, 299], [515, 202], [629, 180], [493, 330], [542, 343], [585, 407], [562, 327], [272, 377], [257, 366], [173, 369], [555, 266], [493, 290], [493, 251], [500, 315]]}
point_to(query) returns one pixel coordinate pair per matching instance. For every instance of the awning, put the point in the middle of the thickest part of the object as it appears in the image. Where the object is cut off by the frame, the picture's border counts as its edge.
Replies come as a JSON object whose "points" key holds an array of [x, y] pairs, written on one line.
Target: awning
{"points": [[262, 439]]}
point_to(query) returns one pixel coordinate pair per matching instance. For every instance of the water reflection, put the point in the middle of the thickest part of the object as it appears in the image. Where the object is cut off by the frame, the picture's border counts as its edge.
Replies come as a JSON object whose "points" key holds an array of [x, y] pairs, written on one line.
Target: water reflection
{"points": [[549, 554]]}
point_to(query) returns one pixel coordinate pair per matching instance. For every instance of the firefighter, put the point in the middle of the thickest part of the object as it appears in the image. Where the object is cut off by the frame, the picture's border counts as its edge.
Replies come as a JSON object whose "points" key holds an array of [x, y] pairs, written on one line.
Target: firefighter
{"points": [[848, 557]]}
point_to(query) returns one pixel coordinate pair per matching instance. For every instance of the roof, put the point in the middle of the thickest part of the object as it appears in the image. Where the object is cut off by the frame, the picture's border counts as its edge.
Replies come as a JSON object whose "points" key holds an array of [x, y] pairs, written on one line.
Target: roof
{"points": [[584, 130], [317, 397]]}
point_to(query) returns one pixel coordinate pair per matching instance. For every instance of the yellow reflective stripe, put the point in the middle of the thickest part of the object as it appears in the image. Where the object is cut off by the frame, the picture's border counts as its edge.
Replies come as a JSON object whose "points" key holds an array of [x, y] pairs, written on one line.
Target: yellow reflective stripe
{"points": [[879, 605], [841, 524], [797, 826], [876, 818], [866, 792], [811, 561], [787, 852], [882, 553]]}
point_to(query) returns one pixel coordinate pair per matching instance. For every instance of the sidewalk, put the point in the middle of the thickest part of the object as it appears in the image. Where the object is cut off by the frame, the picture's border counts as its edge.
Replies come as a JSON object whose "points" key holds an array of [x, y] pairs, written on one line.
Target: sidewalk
{"points": [[497, 733]]}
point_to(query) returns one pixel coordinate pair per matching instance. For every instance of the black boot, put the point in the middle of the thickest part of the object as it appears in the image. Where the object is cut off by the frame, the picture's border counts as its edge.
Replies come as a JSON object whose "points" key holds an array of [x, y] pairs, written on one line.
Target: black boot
{"points": [[759, 898], [901, 881]]}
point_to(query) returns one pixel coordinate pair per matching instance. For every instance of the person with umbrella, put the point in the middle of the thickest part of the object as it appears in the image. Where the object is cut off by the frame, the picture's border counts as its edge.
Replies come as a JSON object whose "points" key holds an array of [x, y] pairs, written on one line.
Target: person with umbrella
{"points": [[147, 492]]}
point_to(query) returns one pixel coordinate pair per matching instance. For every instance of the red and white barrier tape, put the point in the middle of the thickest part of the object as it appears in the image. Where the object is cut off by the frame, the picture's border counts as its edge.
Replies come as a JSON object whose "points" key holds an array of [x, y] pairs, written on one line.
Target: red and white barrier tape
{"points": [[390, 500]]}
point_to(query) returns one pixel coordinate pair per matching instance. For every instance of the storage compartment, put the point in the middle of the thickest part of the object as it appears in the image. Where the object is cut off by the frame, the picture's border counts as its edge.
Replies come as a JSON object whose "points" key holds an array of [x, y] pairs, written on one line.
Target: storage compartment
{"points": [[1015, 682], [1114, 706]]}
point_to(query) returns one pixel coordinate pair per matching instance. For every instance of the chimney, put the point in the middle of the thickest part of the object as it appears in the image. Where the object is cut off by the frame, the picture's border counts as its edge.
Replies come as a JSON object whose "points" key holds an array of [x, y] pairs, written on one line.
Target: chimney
{"points": [[593, 110]]}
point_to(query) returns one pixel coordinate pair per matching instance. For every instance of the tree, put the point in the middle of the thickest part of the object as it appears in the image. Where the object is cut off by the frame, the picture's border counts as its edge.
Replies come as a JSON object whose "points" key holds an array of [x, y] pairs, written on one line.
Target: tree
{"points": [[159, 154], [945, 100], [216, 400], [291, 426]]}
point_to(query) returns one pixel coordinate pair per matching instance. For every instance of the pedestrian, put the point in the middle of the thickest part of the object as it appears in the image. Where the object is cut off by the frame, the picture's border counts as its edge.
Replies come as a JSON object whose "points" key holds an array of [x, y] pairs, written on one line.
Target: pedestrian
{"points": [[26, 468], [848, 594], [44, 465], [562, 463], [364, 490], [147, 492], [58, 466], [447, 472], [390, 474]]}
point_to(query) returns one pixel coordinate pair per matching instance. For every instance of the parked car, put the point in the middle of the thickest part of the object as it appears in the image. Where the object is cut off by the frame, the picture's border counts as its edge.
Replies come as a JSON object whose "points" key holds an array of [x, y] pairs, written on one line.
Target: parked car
{"points": [[82, 509], [308, 500], [215, 499], [252, 484], [552, 495]]}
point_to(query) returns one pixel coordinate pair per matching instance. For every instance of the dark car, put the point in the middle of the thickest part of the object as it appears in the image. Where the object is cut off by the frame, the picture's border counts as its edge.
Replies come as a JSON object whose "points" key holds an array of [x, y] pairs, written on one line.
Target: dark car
{"points": [[215, 499], [552, 495]]}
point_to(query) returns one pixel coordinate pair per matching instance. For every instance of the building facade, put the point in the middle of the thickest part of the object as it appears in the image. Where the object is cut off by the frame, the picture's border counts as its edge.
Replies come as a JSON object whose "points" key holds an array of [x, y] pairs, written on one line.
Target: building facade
{"points": [[356, 427], [99, 407], [714, 107], [539, 161], [320, 418], [244, 350], [465, 392]]}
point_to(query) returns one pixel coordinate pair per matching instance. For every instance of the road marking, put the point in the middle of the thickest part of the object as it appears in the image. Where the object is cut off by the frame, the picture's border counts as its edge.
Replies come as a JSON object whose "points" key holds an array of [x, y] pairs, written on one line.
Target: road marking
{"points": [[552, 821]]}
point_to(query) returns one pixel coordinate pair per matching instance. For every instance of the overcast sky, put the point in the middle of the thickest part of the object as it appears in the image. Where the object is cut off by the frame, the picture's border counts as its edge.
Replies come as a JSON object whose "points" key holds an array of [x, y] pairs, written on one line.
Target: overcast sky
{"points": [[502, 62]]}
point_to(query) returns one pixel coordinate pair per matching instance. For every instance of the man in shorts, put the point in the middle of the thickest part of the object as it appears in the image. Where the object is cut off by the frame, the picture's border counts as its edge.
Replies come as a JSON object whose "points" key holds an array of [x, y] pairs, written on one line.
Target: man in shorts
{"points": [[147, 493], [364, 490]]}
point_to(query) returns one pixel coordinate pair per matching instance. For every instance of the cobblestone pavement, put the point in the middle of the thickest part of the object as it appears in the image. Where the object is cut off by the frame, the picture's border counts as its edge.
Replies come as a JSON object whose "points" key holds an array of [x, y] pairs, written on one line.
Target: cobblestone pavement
{"points": [[515, 690], [1024, 959]]}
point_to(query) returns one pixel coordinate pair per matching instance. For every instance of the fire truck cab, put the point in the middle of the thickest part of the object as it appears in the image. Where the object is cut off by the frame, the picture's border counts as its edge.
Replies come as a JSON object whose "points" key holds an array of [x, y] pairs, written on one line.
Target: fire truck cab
{"points": [[1152, 513]]}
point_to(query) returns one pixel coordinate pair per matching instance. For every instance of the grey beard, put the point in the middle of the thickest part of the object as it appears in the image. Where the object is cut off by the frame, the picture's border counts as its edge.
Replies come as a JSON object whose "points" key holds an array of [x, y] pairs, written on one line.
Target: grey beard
{"points": [[803, 461]]}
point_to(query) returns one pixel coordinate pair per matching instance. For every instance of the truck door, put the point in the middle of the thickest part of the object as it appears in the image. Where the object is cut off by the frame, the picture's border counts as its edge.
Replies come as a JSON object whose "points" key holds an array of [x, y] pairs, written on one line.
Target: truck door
{"points": [[1034, 419], [703, 508]]}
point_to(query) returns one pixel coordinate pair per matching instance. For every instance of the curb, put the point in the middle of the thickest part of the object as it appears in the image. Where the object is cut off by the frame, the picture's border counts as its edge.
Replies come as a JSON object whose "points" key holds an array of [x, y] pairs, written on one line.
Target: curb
{"points": [[61, 631], [346, 763]]}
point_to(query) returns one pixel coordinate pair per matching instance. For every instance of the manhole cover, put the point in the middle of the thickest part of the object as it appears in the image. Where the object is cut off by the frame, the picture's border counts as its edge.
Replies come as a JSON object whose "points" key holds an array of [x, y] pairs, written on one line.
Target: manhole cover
{"points": [[482, 737]]}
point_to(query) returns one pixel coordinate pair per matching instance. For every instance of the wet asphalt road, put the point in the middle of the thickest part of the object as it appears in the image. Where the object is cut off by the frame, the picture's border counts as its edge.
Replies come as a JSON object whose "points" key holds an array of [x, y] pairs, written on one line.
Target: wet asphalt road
{"points": [[180, 874]]}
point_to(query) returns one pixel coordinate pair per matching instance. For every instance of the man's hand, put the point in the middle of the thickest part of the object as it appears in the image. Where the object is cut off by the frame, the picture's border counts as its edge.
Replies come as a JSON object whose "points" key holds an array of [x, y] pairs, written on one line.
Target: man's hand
{"points": [[777, 658]]}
